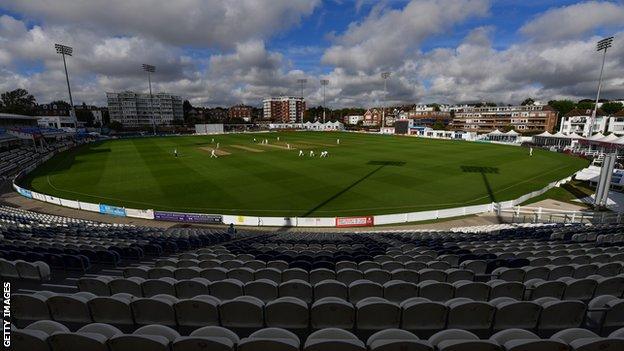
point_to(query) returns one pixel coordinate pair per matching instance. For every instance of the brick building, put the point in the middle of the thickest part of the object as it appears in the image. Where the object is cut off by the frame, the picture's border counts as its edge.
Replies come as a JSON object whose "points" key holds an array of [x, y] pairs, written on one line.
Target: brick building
{"points": [[243, 112], [523, 119], [284, 109]]}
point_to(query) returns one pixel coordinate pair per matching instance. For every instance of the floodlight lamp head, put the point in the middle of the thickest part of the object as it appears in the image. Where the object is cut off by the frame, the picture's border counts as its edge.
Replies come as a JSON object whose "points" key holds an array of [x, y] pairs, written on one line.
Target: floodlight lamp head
{"points": [[148, 68], [63, 49], [604, 44]]}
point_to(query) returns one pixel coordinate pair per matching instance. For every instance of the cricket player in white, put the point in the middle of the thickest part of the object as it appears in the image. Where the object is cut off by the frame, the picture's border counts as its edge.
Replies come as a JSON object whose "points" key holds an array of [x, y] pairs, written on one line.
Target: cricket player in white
{"points": [[300, 153], [324, 154], [531, 152], [288, 146], [213, 154], [175, 152], [338, 141], [311, 153], [217, 145]]}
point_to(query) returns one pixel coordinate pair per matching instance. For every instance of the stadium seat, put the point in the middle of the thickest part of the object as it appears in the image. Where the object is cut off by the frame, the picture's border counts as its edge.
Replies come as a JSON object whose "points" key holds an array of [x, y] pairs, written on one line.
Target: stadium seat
{"points": [[395, 340], [199, 311], [287, 312], [333, 339], [207, 338], [331, 312], [270, 339]]}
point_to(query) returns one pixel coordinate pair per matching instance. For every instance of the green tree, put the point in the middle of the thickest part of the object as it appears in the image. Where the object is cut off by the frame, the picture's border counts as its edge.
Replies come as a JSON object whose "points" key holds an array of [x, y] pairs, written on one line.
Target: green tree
{"points": [[18, 101], [85, 115], [438, 125], [612, 107], [186, 108], [115, 125], [585, 105], [562, 106]]}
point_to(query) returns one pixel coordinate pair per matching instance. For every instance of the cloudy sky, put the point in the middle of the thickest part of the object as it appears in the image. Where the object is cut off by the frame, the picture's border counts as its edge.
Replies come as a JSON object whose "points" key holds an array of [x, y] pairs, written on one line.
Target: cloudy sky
{"points": [[223, 52]]}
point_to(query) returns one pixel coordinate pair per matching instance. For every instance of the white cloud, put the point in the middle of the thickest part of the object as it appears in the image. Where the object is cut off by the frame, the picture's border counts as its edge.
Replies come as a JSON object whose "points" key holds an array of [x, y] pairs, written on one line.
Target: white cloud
{"points": [[234, 65], [387, 36], [221, 23], [570, 22]]}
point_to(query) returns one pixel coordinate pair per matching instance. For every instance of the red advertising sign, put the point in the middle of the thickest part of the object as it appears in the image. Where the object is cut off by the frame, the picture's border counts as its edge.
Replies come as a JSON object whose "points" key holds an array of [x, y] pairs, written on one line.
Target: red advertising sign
{"points": [[364, 221]]}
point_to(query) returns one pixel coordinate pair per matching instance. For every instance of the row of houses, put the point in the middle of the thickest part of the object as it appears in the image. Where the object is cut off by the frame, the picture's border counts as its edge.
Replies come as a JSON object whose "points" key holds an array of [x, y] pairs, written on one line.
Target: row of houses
{"points": [[525, 119], [579, 122]]}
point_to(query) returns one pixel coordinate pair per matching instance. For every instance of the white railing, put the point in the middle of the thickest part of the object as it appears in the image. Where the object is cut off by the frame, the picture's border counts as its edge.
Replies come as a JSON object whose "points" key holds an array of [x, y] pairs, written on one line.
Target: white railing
{"points": [[524, 214]]}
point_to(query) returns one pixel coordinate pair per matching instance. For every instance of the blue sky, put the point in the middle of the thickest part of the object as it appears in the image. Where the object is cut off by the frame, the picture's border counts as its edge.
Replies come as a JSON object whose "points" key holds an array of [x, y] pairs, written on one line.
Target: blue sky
{"points": [[221, 52]]}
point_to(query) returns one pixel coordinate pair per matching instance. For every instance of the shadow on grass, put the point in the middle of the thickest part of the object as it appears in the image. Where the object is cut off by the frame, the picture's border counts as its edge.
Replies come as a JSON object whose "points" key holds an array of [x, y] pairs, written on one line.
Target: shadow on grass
{"points": [[381, 165], [484, 171]]}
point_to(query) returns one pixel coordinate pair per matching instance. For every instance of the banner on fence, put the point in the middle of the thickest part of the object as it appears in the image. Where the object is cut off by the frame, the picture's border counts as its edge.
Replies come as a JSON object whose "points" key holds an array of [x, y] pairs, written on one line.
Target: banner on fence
{"points": [[25, 192], [362, 221], [87, 206], [112, 210], [70, 203], [52, 200], [187, 217], [38, 196], [316, 222], [145, 214], [241, 220]]}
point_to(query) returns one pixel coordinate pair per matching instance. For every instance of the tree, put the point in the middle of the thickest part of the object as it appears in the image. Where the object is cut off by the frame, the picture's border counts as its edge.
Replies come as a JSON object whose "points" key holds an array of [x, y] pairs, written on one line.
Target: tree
{"points": [[612, 107], [585, 105], [562, 106], [438, 125], [186, 108], [528, 101], [18, 101], [116, 126], [61, 104], [436, 107]]}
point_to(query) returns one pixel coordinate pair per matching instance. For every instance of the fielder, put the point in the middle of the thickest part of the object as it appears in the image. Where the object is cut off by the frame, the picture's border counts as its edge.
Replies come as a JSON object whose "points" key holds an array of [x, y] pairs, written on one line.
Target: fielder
{"points": [[324, 154], [213, 154], [338, 141], [213, 140], [288, 146], [300, 153], [530, 152], [175, 152], [311, 153], [217, 145], [254, 140]]}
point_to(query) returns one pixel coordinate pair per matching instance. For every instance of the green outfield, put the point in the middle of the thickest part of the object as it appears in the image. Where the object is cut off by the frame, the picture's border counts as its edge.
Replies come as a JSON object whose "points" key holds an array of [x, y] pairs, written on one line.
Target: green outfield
{"points": [[365, 174]]}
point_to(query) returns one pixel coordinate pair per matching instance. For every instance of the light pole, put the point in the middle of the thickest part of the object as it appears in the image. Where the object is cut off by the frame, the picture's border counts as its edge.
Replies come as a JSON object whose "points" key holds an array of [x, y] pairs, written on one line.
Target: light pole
{"points": [[302, 82], [150, 69], [67, 50], [324, 83], [384, 76], [602, 45]]}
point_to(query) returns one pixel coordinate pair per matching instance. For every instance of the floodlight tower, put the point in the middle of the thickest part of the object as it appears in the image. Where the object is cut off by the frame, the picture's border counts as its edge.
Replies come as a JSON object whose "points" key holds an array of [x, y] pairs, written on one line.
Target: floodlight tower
{"points": [[384, 76], [602, 45], [324, 83], [150, 69], [64, 50], [302, 82]]}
